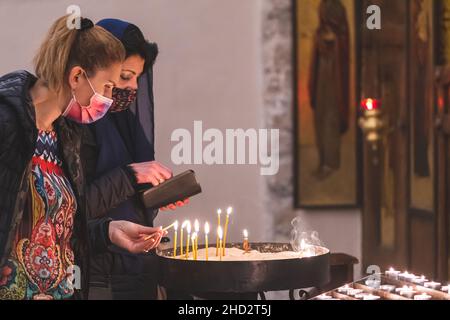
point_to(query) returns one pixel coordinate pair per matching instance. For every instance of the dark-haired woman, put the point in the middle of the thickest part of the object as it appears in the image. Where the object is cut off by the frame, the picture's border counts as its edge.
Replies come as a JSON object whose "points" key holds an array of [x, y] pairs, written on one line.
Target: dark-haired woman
{"points": [[44, 233], [119, 160]]}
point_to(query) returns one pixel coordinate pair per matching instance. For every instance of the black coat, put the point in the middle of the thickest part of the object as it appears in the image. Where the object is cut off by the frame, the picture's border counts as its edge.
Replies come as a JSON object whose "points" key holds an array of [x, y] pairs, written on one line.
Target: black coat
{"points": [[18, 135]]}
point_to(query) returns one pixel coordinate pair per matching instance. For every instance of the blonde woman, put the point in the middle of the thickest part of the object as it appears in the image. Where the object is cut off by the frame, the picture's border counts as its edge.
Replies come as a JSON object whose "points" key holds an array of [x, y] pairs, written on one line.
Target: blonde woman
{"points": [[43, 226]]}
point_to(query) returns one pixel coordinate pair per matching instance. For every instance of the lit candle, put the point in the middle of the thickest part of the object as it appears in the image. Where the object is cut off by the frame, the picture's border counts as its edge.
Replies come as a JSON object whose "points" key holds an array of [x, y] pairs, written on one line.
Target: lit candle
{"points": [[188, 229], [387, 287], [420, 280], [406, 276], [407, 292], [219, 212], [194, 249], [446, 288], [354, 292], [220, 235], [392, 273], [229, 211], [246, 245], [175, 231], [184, 225], [371, 297], [344, 289], [373, 283], [206, 239], [433, 285], [197, 231], [422, 296]]}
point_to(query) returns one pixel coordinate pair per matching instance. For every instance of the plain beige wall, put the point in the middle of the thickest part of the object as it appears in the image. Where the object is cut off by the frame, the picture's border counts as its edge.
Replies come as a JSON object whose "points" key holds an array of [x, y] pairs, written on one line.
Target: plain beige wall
{"points": [[209, 69]]}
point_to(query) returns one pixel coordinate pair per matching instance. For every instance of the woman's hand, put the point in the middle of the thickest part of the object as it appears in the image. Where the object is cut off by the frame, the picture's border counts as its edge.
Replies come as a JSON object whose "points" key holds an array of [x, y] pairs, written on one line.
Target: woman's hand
{"points": [[173, 206], [134, 237], [151, 172], [155, 173]]}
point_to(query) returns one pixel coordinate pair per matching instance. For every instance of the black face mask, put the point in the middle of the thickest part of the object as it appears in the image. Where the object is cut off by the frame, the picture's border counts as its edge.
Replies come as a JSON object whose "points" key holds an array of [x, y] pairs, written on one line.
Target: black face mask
{"points": [[123, 98]]}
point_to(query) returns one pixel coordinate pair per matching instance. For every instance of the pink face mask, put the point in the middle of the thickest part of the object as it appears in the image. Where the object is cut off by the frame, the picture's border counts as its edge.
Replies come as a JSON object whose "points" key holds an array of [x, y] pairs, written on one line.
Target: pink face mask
{"points": [[96, 109]]}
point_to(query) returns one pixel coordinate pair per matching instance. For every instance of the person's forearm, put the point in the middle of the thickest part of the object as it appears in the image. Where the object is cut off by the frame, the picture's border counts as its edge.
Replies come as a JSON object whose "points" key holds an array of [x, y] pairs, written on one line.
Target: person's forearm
{"points": [[108, 191]]}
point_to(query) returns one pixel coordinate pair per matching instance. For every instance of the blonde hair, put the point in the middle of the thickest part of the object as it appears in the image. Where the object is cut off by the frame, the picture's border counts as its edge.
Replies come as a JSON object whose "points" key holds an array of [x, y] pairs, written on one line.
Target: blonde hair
{"points": [[63, 48]]}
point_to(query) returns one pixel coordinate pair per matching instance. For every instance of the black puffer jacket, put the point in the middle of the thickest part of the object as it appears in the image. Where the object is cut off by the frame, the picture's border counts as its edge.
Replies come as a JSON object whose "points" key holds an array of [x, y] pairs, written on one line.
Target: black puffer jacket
{"points": [[18, 135]]}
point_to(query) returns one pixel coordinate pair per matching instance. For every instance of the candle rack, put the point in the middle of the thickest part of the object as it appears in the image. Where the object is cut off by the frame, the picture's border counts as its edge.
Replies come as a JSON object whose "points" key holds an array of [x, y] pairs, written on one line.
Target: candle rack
{"points": [[434, 294]]}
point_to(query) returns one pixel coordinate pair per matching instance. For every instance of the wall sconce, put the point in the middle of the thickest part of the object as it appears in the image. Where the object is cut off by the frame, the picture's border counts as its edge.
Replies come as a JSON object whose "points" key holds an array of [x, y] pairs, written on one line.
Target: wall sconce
{"points": [[371, 121]]}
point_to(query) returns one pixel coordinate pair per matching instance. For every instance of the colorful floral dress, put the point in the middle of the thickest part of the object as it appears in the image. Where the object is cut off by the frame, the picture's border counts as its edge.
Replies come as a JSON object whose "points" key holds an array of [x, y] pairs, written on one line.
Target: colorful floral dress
{"points": [[40, 264]]}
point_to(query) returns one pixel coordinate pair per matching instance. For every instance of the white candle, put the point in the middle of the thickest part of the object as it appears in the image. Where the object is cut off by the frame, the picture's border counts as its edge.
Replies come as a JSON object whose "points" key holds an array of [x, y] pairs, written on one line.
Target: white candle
{"points": [[392, 273], [373, 283], [420, 280], [344, 289], [406, 276], [422, 296], [354, 292], [371, 297], [408, 292], [446, 289], [387, 287], [432, 285], [324, 297]]}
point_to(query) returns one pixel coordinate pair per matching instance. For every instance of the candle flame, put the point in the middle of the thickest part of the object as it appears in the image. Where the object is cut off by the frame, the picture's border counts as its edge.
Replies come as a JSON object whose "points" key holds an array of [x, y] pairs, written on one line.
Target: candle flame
{"points": [[175, 225], [219, 211], [245, 232], [185, 223], [220, 232], [194, 236], [196, 226], [206, 228], [188, 227], [229, 210]]}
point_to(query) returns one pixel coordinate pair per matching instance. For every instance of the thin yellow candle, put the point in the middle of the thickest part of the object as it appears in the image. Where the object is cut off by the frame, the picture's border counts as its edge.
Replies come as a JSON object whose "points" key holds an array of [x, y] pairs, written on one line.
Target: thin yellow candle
{"points": [[184, 225], [206, 239], [175, 231], [194, 249], [219, 212], [197, 231], [220, 235], [229, 211], [188, 229]]}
